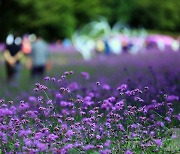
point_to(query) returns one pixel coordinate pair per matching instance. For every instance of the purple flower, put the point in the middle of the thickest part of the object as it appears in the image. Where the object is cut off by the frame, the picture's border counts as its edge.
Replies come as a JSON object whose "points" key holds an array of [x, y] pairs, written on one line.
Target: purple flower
{"points": [[106, 105], [53, 79], [167, 119], [5, 112], [134, 126], [88, 147], [77, 144], [88, 103], [119, 105], [98, 137], [38, 135], [122, 87], [160, 124], [71, 72], [128, 152], [41, 146], [63, 103], [158, 142], [105, 151], [133, 135], [17, 145], [174, 136], [69, 133], [23, 106], [120, 126], [152, 133], [58, 95], [172, 98], [47, 78], [31, 114], [73, 86], [138, 99], [68, 147], [106, 87], [32, 99], [63, 151], [24, 132], [52, 137], [98, 83], [85, 75], [111, 99], [107, 143], [27, 142]]}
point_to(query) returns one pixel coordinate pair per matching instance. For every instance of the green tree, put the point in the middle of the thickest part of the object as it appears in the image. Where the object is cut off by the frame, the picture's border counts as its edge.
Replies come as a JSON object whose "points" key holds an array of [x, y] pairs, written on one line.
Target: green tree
{"points": [[49, 18], [86, 11], [54, 19], [162, 14], [9, 10], [118, 10]]}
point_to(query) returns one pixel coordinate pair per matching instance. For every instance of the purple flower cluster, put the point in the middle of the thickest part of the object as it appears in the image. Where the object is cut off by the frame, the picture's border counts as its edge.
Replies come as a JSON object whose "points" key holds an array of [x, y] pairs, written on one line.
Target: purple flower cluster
{"points": [[64, 116]]}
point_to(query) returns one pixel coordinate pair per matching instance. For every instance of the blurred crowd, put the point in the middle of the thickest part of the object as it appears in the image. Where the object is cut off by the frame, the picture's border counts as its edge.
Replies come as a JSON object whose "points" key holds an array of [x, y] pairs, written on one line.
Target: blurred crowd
{"points": [[122, 43], [98, 37], [30, 49], [129, 44], [118, 44], [34, 51]]}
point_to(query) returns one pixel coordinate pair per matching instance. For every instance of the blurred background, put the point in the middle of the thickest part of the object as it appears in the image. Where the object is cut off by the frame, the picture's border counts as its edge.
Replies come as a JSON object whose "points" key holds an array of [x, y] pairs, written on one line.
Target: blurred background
{"points": [[58, 19], [78, 30]]}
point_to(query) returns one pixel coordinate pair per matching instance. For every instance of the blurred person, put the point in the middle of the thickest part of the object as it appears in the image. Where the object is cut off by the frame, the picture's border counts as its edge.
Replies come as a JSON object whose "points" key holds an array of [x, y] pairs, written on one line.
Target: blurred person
{"points": [[26, 45], [12, 55], [125, 46], [26, 49], [66, 43], [115, 45], [32, 38], [39, 57], [58, 42], [100, 46], [107, 47]]}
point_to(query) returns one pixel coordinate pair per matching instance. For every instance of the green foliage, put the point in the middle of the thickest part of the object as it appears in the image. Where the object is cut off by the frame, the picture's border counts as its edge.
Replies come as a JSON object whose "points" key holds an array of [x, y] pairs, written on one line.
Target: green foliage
{"points": [[162, 14], [118, 10], [56, 19]]}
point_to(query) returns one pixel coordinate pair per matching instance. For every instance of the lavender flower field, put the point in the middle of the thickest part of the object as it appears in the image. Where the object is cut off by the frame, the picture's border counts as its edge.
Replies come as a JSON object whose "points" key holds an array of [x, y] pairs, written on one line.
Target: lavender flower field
{"points": [[110, 105]]}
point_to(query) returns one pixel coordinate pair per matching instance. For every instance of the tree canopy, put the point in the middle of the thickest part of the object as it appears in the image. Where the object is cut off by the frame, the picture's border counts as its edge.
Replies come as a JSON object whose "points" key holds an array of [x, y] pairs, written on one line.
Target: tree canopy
{"points": [[54, 19]]}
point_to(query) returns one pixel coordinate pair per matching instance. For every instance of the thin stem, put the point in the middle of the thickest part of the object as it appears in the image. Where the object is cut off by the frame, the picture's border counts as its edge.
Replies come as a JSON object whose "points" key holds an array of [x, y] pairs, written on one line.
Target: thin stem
{"points": [[46, 95]]}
